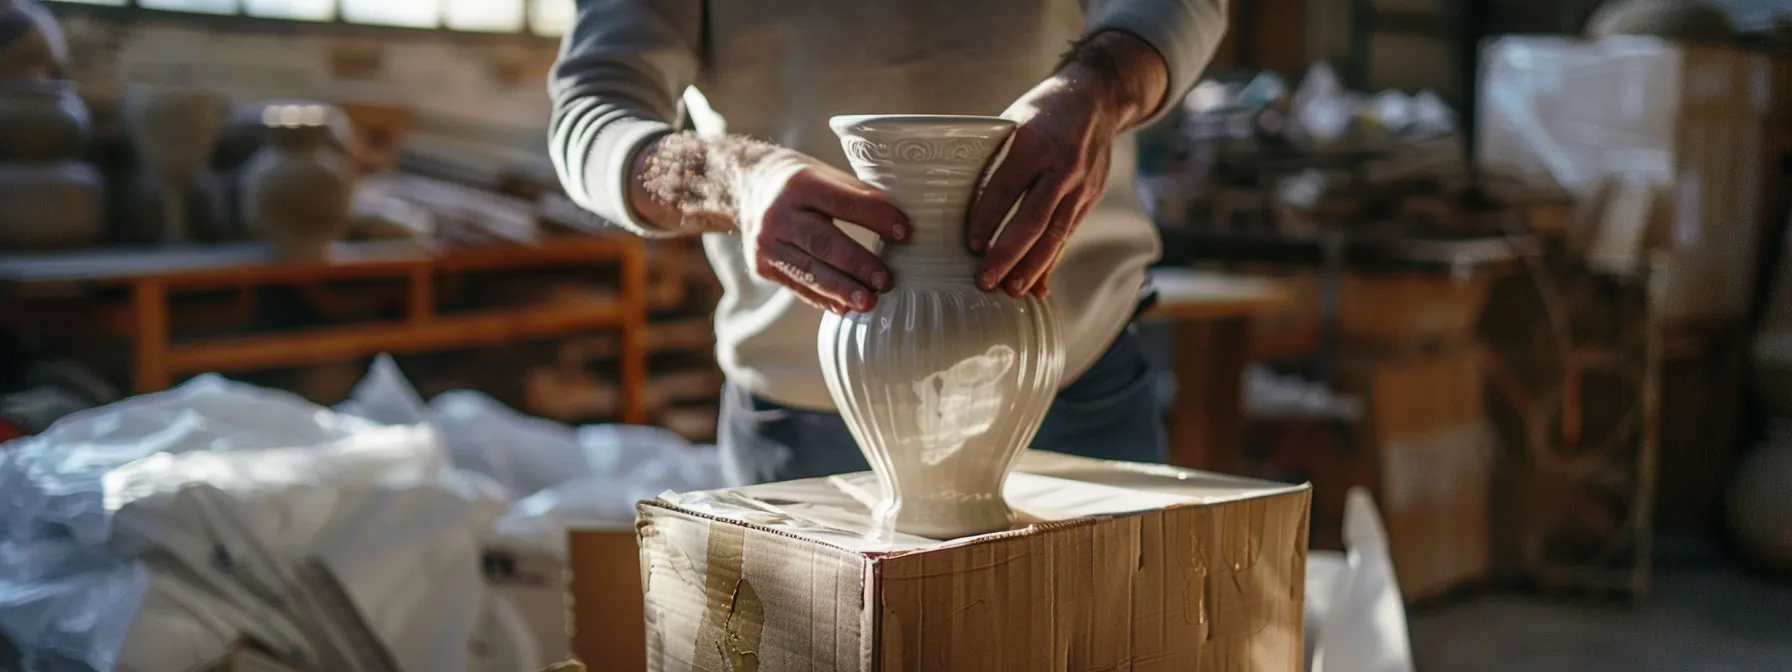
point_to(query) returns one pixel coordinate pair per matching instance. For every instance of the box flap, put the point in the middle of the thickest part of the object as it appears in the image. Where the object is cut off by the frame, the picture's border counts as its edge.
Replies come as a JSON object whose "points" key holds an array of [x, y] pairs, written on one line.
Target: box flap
{"points": [[1045, 487]]}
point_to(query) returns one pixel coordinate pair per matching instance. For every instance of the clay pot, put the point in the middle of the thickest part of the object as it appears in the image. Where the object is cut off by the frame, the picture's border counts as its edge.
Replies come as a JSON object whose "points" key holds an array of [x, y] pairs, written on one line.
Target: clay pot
{"points": [[41, 120], [174, 130], [31, 42], [1694, 20], [50, 206], [143, 196], [941, 384], [296, 190]]}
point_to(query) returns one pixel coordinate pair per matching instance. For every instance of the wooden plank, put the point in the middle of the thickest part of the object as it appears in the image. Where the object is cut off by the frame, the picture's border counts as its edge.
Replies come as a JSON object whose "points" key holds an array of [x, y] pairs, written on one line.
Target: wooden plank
{"points": [[349, 342], [256, 263], [1208, 424], [1184, 294]]}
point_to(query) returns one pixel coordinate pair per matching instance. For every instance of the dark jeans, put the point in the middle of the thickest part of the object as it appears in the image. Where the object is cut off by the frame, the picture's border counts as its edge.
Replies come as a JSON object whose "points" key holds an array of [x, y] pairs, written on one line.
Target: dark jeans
{"points": [[1111, 412]]}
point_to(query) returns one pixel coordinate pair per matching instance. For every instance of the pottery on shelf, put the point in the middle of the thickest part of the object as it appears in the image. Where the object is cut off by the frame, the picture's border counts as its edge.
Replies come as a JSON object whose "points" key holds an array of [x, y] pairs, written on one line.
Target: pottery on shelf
{"points": [[297, 189], [174, 130], [942, 384], [41, 120], [142, 196], [31, 42], [50, 206], [1695, 20]]}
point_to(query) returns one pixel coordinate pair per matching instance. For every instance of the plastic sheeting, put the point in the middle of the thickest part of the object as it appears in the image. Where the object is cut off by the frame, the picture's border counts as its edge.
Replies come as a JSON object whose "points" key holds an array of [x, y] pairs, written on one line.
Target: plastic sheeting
{"points": [[1356, 619], [160, 532]]}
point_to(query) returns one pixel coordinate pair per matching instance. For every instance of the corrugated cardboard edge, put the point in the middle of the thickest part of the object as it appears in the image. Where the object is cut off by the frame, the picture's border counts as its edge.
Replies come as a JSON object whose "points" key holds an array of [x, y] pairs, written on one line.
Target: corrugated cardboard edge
{"points": [[741, 622], [728, 633]]}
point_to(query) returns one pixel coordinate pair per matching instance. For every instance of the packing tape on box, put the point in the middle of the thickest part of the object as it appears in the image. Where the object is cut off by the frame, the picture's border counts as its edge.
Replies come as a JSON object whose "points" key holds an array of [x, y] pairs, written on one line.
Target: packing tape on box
{"points": [[728, 637]]}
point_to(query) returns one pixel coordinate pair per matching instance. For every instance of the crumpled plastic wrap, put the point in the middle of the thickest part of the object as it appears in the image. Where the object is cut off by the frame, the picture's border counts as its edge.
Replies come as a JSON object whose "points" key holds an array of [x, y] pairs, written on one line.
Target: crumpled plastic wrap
{"points": [[1355, 617], [160, 532]]}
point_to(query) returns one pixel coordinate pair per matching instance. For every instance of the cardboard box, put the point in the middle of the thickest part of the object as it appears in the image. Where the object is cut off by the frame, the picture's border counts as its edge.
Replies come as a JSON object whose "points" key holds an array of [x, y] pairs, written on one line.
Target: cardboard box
{"points": [[1704, 127], [603, 595], [1427, 455], [1423, 449], [1119, 566]]}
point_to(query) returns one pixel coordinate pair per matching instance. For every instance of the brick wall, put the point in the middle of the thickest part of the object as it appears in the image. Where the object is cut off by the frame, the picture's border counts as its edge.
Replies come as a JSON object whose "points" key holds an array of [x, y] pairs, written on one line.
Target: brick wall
{"points": [[474, 87]]}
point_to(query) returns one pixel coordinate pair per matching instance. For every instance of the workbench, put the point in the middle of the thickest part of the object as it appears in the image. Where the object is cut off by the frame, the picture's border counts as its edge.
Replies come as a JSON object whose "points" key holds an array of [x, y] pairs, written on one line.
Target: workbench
{"points": [[1210, 320], [71, 290]]}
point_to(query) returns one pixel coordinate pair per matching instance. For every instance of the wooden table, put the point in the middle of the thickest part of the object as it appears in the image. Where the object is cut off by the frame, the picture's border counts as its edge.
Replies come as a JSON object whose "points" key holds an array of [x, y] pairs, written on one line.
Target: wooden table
{"points": [[1210, 316], [149, 276]]}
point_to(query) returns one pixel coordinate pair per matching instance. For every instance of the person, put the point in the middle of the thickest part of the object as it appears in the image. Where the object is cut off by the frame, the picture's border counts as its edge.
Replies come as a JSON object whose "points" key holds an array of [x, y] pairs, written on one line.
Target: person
{"points": [[763, 181]]}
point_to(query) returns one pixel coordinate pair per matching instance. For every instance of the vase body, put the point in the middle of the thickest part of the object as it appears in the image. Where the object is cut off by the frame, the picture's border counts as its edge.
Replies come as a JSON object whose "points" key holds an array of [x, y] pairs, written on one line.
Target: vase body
{"points": [[50, 206], [942, 384], [174, 130], [296, 190], [41, 120]]}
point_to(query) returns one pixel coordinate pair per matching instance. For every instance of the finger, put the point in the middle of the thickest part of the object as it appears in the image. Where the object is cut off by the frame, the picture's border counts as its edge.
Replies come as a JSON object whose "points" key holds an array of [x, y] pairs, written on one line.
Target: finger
{"points": [[1032, 268], [1012, 178], [817, 236], [1031, 221], [862, 206], [776, 272], [815, 299], [823, 279], [1042, 289]]}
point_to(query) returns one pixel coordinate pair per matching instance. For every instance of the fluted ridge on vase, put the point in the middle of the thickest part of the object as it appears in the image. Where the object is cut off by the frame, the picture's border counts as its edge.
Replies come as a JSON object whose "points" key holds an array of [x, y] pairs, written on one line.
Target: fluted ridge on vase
{"points": [[942, 385]]}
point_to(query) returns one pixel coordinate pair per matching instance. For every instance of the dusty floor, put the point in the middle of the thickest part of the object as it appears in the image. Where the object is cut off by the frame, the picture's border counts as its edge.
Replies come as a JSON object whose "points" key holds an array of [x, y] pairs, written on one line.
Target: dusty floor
{"points": [[1698, 620]]}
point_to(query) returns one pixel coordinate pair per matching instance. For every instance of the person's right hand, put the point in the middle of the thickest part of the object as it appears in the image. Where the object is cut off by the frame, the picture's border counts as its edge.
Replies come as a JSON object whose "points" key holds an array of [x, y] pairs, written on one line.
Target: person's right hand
{"points": [[788, 202]]}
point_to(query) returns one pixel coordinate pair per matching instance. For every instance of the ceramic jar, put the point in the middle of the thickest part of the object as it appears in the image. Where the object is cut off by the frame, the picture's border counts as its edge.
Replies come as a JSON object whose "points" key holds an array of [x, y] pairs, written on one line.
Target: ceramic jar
{"points": [[31, 42], [41, 119], [942, 384], [50, 206], [297, 189], [1695, 20], [174, 130]]}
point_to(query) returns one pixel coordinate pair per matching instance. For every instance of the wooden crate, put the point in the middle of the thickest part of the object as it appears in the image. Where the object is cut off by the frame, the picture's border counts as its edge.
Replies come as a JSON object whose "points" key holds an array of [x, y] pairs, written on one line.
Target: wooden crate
{"points": [[1573, 377], [1422, 448], [1378, 312]]}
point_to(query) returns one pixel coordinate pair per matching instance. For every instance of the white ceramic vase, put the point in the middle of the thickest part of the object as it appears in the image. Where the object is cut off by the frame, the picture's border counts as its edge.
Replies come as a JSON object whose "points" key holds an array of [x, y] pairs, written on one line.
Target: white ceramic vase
{"points": [[941, 384]]}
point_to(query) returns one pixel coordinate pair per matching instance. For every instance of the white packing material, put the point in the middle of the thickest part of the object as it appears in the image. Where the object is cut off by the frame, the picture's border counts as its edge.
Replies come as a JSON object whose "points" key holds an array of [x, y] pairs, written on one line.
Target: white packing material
{"points": [[560, 476], [1356, 618], [156, 533]]}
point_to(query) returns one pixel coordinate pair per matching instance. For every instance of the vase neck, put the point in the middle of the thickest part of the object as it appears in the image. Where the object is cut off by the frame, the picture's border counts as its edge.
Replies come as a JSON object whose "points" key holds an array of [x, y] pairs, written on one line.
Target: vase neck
{"points": [[930, 172], [935, 199]]}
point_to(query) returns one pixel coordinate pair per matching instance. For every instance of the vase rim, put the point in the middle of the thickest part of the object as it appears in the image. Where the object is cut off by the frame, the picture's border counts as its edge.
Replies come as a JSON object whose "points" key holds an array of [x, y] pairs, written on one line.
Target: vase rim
{"points": [[859, 123]]}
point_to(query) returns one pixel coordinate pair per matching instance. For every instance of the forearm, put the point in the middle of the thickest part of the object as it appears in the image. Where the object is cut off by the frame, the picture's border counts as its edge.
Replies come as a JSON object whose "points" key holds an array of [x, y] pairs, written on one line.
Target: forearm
{"points": [[1184, 34], [685, 184], [1129, 75]]}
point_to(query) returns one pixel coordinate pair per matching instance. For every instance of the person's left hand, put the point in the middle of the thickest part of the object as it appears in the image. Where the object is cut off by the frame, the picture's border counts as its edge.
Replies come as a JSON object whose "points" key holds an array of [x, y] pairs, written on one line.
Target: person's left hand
{"points": [[1056, 167]]}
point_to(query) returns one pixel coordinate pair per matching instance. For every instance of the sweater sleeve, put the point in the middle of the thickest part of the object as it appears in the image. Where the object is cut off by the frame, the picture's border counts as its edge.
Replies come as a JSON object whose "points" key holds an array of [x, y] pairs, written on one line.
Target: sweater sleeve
{"points": [[622, 70], [1185, 32]]}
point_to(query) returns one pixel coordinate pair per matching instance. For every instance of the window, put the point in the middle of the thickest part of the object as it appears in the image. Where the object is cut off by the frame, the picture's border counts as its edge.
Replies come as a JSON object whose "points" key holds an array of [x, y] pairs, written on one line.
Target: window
{"points": [[549, 18], [484, 16], [298, 10], [201, 6], [407, 13]]}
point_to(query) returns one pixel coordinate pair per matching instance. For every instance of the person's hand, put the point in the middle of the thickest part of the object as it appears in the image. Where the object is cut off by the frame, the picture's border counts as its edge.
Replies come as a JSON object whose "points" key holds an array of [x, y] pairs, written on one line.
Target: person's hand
{"points": [[787, 206], [1056, 166]]}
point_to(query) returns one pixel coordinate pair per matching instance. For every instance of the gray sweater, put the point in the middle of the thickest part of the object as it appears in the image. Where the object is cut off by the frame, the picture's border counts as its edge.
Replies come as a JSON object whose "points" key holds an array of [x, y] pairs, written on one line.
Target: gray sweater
{"points": [[778, 69]]}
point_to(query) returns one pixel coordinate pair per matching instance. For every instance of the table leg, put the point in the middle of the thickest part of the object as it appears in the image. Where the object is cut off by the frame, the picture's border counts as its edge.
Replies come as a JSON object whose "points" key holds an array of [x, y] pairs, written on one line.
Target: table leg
{"points": [[149, 308], [634, 337], [1208, 422]]}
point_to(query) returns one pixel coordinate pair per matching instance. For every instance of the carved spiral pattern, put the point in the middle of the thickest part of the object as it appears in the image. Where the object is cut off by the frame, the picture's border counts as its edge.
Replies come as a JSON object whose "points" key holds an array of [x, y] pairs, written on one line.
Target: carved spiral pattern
{"points": [[913, 150]]}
